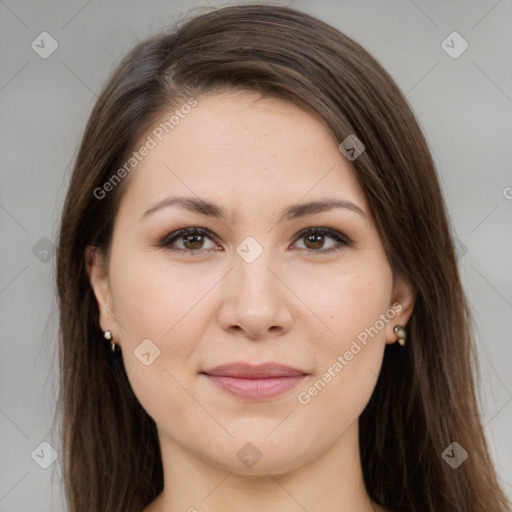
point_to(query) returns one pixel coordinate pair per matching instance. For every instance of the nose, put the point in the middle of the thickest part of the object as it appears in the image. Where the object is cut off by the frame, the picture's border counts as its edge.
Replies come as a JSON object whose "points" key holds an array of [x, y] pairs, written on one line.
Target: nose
{"points": [[256, 303]]}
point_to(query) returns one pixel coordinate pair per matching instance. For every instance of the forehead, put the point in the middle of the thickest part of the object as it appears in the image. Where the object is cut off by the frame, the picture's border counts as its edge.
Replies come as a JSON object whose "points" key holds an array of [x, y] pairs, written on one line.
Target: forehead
{"points": [[239, 148]]}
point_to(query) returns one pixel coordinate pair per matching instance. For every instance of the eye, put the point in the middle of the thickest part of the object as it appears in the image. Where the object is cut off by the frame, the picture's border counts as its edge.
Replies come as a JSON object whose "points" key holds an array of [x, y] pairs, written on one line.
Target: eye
{"points": [[193, 240], [315, 239]]}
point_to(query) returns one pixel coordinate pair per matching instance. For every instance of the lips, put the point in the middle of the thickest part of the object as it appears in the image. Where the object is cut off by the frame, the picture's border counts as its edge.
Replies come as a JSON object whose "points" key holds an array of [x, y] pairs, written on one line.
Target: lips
{"points": [[252, 382], [248, 371]]}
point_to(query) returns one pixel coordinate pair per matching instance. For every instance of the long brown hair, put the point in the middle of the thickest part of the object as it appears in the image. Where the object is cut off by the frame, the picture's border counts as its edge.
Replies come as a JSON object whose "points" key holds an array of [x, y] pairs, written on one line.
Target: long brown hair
{"points": [[425, 395]]}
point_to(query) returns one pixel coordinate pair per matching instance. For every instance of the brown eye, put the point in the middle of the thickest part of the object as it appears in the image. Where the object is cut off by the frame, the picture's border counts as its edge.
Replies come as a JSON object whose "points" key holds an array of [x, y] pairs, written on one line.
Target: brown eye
{"points": [[315, 240], [192, 240]]}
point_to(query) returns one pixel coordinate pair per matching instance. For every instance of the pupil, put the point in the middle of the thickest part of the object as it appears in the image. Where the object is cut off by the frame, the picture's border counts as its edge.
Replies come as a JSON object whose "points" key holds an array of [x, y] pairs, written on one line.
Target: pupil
{"points": [[316, 240], [196, 237]]}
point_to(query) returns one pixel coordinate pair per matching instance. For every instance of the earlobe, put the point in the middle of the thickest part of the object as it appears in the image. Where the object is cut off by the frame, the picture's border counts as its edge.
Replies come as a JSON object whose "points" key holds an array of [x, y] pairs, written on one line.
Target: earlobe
{"points": [[98, 276], [402, 303]]}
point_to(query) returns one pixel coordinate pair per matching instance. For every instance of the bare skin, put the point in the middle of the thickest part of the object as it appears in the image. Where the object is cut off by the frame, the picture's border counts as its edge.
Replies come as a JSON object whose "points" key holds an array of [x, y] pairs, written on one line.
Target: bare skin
{"points": [[291, 305]]}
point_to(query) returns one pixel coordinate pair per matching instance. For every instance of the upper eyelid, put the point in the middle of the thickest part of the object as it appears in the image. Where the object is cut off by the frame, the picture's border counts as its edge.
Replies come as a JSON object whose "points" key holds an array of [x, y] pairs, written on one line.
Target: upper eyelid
{"points": [[326, 230]]}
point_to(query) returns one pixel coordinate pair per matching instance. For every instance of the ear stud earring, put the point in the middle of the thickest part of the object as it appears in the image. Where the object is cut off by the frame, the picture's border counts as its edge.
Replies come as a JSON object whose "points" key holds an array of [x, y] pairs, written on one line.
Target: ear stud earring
{"points": [[400, 332], [108, 336]]}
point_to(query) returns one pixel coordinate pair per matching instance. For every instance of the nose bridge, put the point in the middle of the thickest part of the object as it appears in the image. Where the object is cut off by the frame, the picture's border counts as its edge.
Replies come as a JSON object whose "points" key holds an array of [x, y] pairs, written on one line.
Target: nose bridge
{"points": [[255, 302], [252, 277]]}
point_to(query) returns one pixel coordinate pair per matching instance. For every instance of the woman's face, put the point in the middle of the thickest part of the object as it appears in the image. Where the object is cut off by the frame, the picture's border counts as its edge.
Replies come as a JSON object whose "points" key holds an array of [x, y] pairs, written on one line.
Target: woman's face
{"points": [[249, 287]]}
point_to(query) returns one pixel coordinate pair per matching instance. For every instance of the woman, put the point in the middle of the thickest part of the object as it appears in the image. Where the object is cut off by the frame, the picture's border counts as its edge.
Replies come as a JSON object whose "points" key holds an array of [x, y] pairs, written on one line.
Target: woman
{"points": [[259, 299]]}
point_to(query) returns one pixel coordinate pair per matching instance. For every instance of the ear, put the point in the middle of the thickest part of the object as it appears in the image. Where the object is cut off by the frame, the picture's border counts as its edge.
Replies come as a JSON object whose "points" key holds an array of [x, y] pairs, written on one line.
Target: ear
{"points": [[98, 276], [402, 303]]}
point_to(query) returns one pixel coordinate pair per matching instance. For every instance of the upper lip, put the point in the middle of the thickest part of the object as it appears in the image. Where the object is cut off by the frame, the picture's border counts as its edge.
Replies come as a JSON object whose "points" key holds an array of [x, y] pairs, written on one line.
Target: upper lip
{"points": [[244, 370]]}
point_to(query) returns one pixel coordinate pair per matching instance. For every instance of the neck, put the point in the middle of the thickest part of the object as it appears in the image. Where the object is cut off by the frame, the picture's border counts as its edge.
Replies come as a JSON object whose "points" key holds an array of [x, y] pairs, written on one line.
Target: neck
{"points": [[331, 481]]}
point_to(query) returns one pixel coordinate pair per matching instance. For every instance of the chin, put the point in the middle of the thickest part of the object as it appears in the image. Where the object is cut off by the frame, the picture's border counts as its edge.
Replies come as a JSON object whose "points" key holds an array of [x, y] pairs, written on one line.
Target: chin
{"points": [[260, 457]]}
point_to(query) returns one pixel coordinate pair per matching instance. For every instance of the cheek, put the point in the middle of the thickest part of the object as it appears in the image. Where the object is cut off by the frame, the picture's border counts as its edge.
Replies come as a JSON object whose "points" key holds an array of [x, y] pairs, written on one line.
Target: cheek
{"points": [[349, 301], [365, 297], [349, 353], [154, 298], [160, 304]]}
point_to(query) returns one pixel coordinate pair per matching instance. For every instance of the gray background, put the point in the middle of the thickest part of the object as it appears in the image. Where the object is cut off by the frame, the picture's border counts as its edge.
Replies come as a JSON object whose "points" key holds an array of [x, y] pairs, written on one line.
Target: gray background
{"points": [[464, 106]]}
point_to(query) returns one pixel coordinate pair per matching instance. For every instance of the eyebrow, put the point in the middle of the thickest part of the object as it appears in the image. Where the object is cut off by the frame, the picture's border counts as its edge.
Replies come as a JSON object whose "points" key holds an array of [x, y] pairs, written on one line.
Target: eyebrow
{"points": [[204, 207]]}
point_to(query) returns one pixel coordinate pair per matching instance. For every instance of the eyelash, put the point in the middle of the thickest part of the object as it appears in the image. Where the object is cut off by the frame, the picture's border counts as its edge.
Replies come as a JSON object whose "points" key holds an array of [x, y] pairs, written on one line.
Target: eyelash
{"points": [[342, 240]]}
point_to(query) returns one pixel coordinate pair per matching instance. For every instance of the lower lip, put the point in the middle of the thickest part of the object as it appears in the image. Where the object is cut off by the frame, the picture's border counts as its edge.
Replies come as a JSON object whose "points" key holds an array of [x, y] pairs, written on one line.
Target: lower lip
{"points": [[255, 389]]}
